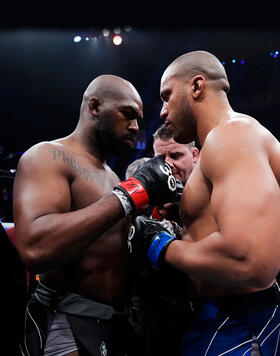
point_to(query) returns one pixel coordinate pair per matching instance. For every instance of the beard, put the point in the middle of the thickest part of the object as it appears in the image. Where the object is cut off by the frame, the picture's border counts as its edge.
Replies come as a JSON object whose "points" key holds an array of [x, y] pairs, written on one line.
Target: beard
{"points": [[185, 131], [108, 142]]}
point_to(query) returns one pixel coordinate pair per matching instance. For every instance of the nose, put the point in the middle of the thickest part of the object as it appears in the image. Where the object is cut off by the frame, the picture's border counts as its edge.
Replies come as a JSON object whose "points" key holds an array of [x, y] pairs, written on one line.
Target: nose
{"points": [[133, 126], [170, 162], [164, 111]]}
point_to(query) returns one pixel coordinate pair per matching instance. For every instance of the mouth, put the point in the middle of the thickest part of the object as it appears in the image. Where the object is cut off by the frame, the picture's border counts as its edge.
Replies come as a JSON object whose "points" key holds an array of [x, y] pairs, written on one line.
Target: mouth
{"points": [[130, 140], [168, 125]]}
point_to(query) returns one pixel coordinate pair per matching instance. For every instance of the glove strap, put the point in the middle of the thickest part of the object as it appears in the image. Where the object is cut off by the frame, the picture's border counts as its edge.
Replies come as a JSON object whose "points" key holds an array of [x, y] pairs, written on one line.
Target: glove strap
{"points": [[158, 245], [126, 204], [137, 192]]}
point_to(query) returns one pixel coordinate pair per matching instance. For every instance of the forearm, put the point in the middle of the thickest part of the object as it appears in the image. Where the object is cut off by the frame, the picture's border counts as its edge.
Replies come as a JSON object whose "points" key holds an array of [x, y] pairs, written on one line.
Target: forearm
{"points": [[213, 261], [53, 239]]}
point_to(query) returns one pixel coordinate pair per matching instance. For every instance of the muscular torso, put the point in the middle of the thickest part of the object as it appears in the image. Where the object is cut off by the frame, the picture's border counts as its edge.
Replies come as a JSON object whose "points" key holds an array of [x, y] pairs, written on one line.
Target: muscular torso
{"points": [[100, 272], [198, 219]]}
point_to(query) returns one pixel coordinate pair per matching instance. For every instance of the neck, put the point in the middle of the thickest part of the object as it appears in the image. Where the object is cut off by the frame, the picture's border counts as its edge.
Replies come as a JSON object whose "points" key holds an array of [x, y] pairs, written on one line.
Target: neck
{"points": [[216, 109], [86, 144]]}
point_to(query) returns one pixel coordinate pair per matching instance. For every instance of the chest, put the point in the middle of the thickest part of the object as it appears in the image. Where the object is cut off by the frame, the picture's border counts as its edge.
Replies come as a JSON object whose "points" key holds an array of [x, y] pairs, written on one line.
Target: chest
{"points": [[195, 203], [89, 182]]}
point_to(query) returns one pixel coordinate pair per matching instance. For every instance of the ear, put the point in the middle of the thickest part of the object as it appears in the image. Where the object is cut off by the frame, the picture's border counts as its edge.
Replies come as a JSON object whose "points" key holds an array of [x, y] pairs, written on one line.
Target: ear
{"points": [[198, 84], [94, 105], [195, 154]]}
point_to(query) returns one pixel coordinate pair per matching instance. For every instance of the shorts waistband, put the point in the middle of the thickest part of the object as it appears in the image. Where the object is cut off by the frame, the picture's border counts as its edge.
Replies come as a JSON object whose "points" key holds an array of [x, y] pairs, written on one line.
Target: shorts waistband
{"points": [[75, 304], [240, 304]]}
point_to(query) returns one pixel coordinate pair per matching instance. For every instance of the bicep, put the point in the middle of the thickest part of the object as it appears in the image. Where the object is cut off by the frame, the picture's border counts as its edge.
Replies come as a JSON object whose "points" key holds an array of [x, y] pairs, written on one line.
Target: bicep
{"points": [[246, 204], [243, 197]]}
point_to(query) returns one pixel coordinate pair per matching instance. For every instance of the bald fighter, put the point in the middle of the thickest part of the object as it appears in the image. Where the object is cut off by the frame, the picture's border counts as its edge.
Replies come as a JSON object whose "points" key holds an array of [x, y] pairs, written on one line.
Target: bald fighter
{"points": [[231, 211], [71, 219]]}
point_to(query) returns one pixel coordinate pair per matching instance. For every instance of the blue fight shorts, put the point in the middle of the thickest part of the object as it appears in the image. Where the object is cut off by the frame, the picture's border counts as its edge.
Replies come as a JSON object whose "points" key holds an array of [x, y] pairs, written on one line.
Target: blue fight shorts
{"points": [[236, 325]]}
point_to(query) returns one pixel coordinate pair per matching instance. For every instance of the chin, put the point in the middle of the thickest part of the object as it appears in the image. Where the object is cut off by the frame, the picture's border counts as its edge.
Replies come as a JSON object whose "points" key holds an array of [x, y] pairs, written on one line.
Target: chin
{"points": [[181, 139]]}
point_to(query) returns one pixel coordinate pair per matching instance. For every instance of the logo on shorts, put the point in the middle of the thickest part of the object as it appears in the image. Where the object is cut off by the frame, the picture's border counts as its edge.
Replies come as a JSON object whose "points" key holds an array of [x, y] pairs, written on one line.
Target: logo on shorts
{"points": [[103, 349]]}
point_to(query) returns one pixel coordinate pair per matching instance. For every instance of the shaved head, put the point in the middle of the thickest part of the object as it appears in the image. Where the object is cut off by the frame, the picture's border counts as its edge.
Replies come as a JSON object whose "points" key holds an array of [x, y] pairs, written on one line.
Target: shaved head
{"points": [[109, 114], [194, 63], [109, 86]]}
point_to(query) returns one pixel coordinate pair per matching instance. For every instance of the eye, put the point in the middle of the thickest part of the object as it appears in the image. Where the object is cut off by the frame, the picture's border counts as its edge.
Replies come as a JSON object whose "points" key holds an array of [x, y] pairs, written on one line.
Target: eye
{"points": [[176, 155], [165, 95], [130, 114]]}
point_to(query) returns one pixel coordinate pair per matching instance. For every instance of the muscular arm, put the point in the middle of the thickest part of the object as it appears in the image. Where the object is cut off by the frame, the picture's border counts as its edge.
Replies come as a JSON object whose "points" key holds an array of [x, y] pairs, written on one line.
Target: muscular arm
{"points": [[48, 233], [245, 202]]}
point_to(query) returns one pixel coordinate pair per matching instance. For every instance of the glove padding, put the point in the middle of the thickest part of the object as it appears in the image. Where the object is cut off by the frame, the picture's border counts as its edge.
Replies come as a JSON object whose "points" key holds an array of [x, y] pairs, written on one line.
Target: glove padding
{"points": [[152, 183], [172, 211], [148, 240]]}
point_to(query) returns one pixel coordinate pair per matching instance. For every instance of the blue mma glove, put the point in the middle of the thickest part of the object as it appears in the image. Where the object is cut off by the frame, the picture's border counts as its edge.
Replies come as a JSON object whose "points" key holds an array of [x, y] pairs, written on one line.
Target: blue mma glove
{"points": [[148, 240]]}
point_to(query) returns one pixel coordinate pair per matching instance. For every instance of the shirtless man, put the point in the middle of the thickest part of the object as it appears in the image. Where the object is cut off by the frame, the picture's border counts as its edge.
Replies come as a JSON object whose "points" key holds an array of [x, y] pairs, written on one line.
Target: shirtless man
{"points": [[71, 221], [231, 211]]}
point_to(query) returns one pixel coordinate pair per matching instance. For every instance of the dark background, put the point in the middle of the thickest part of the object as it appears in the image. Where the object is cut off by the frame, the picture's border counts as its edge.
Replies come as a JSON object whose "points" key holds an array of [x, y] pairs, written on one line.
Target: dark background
{"points": [[43, 75]]}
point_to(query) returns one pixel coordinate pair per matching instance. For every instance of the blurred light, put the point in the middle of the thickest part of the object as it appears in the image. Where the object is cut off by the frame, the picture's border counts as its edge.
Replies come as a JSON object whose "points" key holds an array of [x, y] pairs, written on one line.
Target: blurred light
{"points": [[106, 32], [117, 40], [223, 63], [233, 61], [127, 28], [117, 30], [87, 38], [77, 39], [141, 145], [242, 62], [274, 54]]}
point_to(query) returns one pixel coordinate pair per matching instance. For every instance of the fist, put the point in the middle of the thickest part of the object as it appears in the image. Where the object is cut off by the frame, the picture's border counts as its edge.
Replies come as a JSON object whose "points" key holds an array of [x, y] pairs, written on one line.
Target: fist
{"points": [[152, 183], [147, 241]]}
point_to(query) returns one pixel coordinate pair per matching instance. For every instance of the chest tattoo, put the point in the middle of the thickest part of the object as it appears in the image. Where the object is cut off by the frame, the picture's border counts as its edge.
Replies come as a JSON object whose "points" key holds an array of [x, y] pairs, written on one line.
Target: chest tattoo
{"points": [[87, 174]]}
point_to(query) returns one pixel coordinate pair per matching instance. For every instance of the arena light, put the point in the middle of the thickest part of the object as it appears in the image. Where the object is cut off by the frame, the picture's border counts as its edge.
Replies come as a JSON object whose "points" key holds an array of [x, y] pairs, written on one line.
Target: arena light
{"points": [[117, 40], [106, 32], [77, 39]]}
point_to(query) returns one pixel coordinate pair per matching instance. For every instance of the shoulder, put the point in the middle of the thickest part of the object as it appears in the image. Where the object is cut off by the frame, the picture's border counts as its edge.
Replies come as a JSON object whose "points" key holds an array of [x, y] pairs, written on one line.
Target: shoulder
{"points": [[237, 132], [238, 128], [236, 140], [43, 154]]}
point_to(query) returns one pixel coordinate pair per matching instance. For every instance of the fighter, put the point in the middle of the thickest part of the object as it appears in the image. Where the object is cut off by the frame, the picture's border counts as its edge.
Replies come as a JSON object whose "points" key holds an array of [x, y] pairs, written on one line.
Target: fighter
{"points": [[230, 209], [71, 219]]}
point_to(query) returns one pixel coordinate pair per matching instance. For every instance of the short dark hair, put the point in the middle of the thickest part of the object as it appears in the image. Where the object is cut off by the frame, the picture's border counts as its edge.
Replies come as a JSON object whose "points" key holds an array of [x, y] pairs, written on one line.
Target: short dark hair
{"points": [[162, 133]]}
